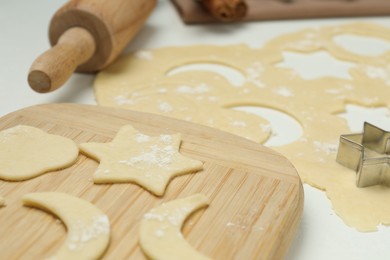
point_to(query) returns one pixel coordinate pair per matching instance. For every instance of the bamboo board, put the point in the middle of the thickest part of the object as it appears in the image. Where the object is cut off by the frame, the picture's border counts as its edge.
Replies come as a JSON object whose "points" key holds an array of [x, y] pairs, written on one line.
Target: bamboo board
{"points": [[256, 197]]}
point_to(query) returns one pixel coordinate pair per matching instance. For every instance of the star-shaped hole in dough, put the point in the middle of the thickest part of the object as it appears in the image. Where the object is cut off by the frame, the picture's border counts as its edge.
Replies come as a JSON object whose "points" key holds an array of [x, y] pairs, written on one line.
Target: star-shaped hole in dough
{"points": [[316, 65], [149, 161]]}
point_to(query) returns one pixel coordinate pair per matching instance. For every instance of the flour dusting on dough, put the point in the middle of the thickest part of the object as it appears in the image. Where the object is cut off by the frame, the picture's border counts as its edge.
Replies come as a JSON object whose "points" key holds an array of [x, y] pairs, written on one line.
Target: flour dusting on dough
{"points": [[284, 92], [254, 73], [122, 100], [154, 156], [141, 138], [87, 226], [144, 55], [326, 147], [83, 232], [375, 72], [149, 161], [239, 123], [165, 107], [314, 103], [160, 234], [202, 88], [165, 213]]}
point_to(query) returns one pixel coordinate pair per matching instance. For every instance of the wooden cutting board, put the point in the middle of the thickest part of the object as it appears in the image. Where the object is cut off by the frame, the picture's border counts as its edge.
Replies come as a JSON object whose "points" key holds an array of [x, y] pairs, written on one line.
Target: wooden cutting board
{"points": [[256, 197]]}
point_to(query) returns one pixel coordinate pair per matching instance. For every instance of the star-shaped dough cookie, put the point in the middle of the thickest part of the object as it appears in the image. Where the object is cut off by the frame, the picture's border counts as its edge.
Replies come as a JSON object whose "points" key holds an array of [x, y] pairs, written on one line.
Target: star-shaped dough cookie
{"points": [[149, 161]]}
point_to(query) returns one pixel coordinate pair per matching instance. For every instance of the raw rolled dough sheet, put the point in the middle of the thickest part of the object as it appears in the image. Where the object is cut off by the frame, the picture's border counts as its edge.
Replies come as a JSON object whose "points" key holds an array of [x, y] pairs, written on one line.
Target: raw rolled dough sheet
{"points": [[148, 81], [26, 152]]}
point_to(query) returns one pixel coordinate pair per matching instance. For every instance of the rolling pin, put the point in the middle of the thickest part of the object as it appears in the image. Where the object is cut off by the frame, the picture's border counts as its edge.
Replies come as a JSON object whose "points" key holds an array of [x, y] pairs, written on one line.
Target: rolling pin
{"points": [[86, 35], [226, 10]]}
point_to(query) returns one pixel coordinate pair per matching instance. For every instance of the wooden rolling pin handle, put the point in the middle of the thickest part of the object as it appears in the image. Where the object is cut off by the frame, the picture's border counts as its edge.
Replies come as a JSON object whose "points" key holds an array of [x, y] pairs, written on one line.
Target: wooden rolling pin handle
{"points": [[53, 68]]}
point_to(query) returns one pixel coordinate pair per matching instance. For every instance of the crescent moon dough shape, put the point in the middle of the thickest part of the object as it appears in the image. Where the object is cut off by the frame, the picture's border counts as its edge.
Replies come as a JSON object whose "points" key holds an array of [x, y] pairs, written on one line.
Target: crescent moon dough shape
{"points": [[149, 161], [88, 227], [160, 236], [35, 151]]}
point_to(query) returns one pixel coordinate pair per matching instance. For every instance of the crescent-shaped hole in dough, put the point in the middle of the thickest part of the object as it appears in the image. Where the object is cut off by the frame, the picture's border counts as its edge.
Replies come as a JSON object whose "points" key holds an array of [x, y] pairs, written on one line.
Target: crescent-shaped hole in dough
{"points": [[284, 128], [316, 65], [160, 234], [233, 75], [362, 45], [313, 155], [356, 116], [88, 227]]}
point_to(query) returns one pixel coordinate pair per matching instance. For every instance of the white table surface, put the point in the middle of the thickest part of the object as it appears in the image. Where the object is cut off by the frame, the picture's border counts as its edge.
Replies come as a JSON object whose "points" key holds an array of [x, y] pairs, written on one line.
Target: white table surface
{"points": [[23, 36]]}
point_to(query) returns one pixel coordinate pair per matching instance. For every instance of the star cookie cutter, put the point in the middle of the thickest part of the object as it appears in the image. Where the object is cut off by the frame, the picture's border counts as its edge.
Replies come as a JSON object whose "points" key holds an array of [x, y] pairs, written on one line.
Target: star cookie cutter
{"points": [[368, 154]]}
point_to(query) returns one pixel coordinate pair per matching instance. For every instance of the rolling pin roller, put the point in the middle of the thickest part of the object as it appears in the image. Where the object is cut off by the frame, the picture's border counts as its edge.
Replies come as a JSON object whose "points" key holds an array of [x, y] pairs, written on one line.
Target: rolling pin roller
{"points": [[87, 35]]}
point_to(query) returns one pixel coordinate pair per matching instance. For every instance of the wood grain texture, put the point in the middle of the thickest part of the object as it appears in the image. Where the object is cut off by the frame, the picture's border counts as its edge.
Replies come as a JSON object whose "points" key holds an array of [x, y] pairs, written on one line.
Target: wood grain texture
{"points": [[256, 197]]}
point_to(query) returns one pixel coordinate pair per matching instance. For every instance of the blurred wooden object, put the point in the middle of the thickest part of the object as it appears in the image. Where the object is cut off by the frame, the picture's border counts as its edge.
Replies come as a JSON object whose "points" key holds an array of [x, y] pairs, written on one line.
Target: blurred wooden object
{"points": [[226, 10], [192, 11]]}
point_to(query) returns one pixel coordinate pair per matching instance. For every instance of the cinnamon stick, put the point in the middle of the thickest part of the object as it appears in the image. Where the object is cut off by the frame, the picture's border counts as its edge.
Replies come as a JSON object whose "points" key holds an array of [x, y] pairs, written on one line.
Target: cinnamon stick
{"points": [[226, 10]]}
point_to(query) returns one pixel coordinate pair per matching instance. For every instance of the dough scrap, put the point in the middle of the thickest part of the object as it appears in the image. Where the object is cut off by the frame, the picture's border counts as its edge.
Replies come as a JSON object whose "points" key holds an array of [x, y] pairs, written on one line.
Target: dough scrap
{"points": [[135, 80], [2, 201], [88, 227], [150, 161], [160, 236], [26, 152]]}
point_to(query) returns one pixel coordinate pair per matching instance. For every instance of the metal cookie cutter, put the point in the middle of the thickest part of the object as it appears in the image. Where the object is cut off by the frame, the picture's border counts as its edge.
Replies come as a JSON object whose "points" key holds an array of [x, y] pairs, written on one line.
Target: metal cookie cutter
{"points": [[368, 154]]}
